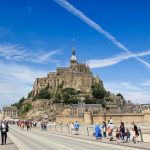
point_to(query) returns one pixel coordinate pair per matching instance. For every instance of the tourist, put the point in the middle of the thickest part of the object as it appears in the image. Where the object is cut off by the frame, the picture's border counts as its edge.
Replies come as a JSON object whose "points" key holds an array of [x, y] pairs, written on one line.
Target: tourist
{"points": [[117, 136], [28, 126], [128, 136], [4, 129], [98, 134], [45, 126], [110, 130], [122, 131], [110, 120], [136, 131], [133, 136], [104, 128], [72, 127], [34, 124], [22, 125], [76, 127]]}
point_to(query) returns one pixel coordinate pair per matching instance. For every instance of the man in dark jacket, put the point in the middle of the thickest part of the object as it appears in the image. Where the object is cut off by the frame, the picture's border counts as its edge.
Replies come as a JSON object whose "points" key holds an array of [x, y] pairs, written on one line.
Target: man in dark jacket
{"points": [[4, 129]]}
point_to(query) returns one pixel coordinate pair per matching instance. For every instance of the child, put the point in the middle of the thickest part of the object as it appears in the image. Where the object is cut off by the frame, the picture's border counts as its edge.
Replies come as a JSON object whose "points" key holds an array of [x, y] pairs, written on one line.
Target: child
{"points": [[117, 135], [128, 135]]}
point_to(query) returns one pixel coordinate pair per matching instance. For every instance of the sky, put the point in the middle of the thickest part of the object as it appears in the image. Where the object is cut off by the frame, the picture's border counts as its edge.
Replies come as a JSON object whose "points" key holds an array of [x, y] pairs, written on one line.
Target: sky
{"points": [[112, 37]]}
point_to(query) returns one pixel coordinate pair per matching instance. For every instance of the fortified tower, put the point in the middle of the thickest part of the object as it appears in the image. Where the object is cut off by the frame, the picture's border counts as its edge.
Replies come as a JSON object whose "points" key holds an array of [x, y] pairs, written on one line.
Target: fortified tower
{"points": [[77, 76]]}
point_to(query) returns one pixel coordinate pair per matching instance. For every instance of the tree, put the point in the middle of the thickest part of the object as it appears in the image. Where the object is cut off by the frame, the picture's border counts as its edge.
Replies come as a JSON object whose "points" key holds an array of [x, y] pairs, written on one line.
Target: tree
{"points": [[71, 101], [70, 91], [119, 94], [43, 94], [57, 98], [69, 95], [22, 100], [109, 99], [29, 94], [98, 92], [25, 108], [123, 99]]}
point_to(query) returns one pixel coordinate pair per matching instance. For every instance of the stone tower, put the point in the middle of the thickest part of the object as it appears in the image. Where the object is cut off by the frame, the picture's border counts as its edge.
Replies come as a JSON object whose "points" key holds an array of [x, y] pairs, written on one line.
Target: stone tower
{"points": [[73, 60]]}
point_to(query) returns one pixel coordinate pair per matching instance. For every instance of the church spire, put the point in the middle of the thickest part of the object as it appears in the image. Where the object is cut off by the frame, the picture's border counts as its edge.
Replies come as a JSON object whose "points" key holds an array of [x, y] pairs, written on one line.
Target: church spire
{"points": [[73, 59], [73, 49]]}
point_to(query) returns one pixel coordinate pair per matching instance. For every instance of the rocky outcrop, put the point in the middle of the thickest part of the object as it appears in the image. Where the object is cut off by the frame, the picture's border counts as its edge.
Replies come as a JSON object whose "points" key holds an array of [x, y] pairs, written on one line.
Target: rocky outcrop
{"points": [[44, 109]]}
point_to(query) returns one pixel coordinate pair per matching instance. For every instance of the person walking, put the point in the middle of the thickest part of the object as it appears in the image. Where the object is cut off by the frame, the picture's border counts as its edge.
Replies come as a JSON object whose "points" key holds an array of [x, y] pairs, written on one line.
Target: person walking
{"points": [[4, 129], [72, 127], [98, 134], [117, 136], [136, 131], [104, 128], [76, 127], [128, 134], [122, 131], [133, 136], [28, 126], [110, 130]]}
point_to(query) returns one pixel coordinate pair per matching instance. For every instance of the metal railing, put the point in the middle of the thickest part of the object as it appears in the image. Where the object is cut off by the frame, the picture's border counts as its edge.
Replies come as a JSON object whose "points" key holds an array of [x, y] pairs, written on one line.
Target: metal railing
{"points": [[83, 130]]}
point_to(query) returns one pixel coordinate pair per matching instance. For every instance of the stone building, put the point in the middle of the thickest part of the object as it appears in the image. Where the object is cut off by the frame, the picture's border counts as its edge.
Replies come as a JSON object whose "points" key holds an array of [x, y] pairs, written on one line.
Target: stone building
{"points": [[9, 112], [77, 76], [78, 110]]}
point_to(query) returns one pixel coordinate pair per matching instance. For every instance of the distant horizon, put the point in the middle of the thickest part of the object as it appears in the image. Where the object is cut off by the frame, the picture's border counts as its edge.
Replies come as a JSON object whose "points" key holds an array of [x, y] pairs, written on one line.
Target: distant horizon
{"points": [[112, 37]]}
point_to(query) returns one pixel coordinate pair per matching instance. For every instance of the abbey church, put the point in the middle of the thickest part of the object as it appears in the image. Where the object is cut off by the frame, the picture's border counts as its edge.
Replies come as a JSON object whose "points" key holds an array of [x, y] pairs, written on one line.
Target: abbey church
{"points": [[77, 76]]}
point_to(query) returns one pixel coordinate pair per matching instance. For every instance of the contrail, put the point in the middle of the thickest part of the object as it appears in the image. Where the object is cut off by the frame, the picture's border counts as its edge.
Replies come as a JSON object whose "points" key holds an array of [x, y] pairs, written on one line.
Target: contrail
{"points": [[105, 62], [69, 7]]}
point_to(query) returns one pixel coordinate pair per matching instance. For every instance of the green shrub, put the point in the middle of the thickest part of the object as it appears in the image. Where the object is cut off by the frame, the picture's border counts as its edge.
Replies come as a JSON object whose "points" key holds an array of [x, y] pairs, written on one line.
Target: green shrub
{"points": [[43, 94]]}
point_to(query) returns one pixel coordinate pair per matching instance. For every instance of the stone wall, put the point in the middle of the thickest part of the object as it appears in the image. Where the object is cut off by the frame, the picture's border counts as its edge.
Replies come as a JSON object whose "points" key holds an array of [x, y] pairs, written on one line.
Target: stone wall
{"points": [[61, 119], [147, 116], [117, 118]]}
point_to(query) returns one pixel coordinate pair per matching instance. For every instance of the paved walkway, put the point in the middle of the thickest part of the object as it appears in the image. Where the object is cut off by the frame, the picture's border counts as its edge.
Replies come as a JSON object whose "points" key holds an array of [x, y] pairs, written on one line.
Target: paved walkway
{"points": [[140, 145], [9, 146]]}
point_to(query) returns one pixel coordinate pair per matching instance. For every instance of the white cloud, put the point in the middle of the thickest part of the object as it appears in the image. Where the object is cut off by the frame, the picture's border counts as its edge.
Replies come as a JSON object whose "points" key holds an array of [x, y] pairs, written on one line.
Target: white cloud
{"points": [[99, 63], [69, 7], [134, 92], [145, 83], [46, 57], [20, 53], [16, 81]]}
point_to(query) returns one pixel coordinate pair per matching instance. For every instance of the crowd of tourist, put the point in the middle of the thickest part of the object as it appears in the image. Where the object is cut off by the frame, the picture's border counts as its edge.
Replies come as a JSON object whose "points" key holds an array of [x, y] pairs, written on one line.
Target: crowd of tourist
{"points": [[25, 125], [43, 126], [103, 131], [109, 131], [121, 134]]}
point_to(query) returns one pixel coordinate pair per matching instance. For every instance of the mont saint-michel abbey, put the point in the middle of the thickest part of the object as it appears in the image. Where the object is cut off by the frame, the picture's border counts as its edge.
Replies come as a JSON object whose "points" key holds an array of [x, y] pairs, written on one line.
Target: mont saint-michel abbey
{"points": [[77, 76]]}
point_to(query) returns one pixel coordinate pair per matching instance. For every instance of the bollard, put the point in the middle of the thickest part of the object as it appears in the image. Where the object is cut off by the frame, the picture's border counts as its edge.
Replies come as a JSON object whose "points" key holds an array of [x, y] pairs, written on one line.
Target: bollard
{"points": [[61, 128], [87, 131], [141, 134], [68, 130], [55, 128], [50, 127]]}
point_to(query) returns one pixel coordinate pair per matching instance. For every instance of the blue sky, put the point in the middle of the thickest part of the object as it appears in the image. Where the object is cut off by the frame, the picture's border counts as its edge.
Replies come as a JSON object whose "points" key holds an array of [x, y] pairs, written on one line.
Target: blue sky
{"points": [[112, 37]]}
